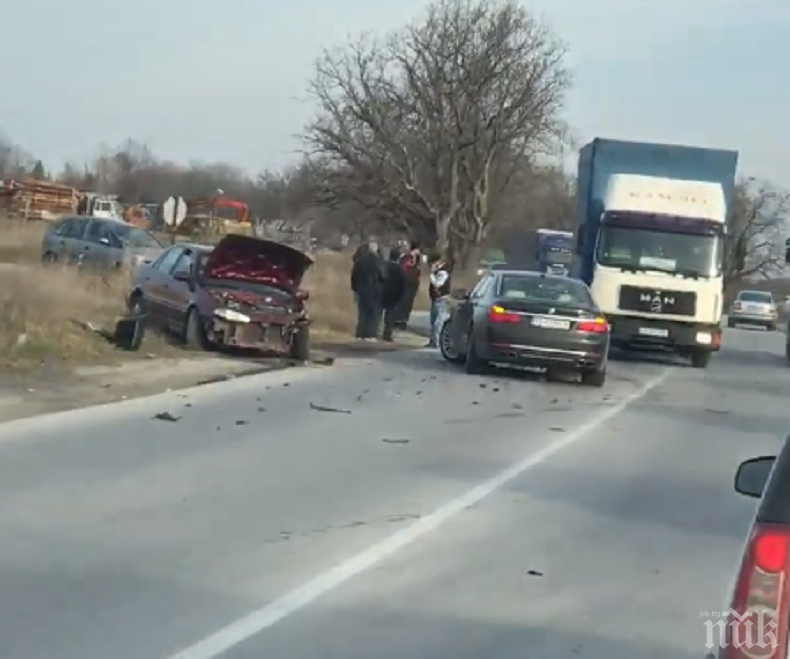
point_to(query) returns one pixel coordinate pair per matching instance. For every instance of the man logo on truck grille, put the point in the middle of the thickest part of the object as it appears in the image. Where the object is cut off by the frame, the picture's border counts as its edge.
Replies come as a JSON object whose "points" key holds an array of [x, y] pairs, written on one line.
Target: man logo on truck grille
{"points": [[657, 301]]}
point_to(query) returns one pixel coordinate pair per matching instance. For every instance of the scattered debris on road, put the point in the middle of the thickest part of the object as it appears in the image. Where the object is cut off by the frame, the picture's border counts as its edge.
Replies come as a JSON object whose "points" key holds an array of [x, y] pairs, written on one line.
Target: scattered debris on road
{"points": [[321, 408], [166, 416], [241, 422], [395, 441], [534, 573]]}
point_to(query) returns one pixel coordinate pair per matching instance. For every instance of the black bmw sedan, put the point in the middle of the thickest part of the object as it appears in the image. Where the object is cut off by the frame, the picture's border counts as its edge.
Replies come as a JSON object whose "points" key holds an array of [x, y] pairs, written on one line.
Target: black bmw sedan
{"points": [[514, 317]]}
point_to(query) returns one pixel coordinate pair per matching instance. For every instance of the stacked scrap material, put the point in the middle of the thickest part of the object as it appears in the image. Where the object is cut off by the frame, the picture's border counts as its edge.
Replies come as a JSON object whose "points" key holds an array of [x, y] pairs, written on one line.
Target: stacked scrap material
{"points": [[33, 199]]}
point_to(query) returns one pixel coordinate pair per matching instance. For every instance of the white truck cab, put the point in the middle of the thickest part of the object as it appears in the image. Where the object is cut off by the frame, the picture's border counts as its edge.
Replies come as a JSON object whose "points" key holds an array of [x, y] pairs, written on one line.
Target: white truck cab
{"points": [[657, 270]]}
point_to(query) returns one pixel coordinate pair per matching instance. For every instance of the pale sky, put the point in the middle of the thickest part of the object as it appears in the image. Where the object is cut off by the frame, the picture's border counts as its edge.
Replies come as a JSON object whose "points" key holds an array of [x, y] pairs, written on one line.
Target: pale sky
{"points": [[209, 80]]}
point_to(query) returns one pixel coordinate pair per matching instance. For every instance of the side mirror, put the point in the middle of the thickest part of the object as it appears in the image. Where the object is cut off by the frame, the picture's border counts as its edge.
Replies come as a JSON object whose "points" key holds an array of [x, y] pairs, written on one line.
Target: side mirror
{"points": [[104, 241], [183, 275], [752, 476], [787, 250], [302, 295], [460, 294]]}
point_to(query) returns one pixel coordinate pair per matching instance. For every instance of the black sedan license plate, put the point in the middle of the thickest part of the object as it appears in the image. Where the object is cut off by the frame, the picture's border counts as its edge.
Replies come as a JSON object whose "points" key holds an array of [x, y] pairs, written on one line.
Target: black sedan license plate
{"points": [[551, 323]]}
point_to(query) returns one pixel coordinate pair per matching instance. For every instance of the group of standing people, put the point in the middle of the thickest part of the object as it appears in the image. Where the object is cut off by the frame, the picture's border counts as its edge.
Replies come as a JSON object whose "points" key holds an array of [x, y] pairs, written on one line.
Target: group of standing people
{"points": [[388, 287]]}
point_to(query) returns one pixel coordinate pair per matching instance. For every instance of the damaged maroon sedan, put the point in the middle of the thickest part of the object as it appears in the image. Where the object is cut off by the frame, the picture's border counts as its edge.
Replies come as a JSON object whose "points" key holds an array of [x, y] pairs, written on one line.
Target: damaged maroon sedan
{"points": [[244, 292]]}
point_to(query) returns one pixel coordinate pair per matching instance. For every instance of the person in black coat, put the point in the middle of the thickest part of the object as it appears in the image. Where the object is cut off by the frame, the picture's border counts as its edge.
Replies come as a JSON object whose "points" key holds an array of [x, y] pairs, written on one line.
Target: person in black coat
{"points": [[392, 296], [367, 281]]}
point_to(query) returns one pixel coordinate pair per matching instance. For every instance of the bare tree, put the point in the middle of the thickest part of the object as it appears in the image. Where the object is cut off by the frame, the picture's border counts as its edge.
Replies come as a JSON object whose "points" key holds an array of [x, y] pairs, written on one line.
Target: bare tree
{"points": [[757, 230], [427, 125], [15, 162]]}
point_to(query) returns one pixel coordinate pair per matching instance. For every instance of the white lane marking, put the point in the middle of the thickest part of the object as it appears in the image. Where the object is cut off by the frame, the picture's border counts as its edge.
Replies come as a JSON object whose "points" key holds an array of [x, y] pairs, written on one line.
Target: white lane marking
{"points": [[263, 618]]}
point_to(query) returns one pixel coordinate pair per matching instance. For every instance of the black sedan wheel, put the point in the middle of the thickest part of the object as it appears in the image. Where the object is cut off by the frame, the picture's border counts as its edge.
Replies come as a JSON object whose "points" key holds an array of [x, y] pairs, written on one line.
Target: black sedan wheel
{"points": [[447, 346], [594, 378], [474, 365]]}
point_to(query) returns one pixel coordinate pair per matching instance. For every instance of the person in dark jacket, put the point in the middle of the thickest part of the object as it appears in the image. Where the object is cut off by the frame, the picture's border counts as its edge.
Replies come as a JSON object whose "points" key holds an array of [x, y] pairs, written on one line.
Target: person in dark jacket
{"points": [[367, 282], [394, 285], [411, 263]]}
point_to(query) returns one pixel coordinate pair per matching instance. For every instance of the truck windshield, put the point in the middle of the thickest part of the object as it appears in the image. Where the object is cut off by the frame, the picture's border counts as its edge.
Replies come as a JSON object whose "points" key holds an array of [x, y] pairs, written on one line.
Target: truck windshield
{"points": [[557, 256], [645, 249]]}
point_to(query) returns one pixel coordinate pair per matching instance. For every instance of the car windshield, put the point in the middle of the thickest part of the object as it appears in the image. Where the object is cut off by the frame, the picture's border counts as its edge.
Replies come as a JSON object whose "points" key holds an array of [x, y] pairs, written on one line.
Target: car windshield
{"points": [[645, 249], [756, 296], [135, 237], [544, 289]]}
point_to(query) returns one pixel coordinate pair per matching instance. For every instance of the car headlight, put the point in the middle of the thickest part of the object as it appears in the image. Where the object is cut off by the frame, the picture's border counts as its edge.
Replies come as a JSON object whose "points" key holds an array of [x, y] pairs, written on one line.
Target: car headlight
{"points": [[232, 316]]}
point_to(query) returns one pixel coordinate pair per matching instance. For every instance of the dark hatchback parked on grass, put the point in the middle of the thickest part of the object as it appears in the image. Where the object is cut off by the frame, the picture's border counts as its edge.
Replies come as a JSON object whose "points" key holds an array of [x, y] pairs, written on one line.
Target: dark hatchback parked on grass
{"points": [[244, 292], [515, 317], [760, 597]]}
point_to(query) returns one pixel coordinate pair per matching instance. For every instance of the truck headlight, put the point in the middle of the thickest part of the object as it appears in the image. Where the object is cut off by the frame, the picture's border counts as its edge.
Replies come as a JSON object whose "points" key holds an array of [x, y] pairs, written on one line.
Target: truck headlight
{"points": [[231, 316], [704, 338]]}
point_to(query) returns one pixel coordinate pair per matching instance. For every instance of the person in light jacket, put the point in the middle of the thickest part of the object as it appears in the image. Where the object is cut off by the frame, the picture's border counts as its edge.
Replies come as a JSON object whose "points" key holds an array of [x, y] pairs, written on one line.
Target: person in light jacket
{"points": [[439, 292]]}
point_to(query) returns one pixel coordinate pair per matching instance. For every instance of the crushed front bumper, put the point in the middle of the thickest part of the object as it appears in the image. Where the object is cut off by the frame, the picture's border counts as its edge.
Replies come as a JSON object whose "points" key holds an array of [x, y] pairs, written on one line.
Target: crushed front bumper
{"points": [[263, 333]]}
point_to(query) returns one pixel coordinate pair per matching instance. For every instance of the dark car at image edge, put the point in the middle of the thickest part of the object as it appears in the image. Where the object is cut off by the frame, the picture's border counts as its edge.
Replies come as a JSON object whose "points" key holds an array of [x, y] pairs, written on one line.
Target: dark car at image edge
{"points": [[759, 601], [244, 292], [521, 318]]}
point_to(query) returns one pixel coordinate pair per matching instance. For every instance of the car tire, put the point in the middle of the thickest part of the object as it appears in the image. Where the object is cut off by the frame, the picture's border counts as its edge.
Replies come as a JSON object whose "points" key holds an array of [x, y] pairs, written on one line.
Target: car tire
{"points": [[49, 258], [474, 365], [787, 351], [594, 378], [700, 358], [194, 332], [299, 350], [730, 323], [771, 327], [446, 347]]}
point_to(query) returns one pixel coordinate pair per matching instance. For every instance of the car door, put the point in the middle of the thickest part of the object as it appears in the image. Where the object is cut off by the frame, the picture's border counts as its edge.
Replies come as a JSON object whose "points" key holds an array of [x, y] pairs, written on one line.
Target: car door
{"points": [[101, 249], [155, 280], [177, 295], [464, 314], [74, 240], [54, 243]]}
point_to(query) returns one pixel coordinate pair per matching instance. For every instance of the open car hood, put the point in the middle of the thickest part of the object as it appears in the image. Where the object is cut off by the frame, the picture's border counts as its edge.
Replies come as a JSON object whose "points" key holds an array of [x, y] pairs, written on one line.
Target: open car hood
{"points": [[244, 258]]}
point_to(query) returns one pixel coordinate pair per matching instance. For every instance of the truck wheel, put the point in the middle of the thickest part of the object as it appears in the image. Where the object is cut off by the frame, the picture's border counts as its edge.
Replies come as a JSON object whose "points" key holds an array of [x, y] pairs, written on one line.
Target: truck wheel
{"points": [[700, 358], [299, 350]]}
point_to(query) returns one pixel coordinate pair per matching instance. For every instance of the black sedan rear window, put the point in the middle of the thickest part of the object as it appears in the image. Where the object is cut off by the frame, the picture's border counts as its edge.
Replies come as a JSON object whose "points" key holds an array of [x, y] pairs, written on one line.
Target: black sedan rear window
{"points": [[544, 289]]}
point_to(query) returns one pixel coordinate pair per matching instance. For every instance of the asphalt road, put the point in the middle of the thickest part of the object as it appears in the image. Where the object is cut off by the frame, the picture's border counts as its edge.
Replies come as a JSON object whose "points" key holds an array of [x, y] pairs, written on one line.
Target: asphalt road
{"points": [[413, 511]]}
